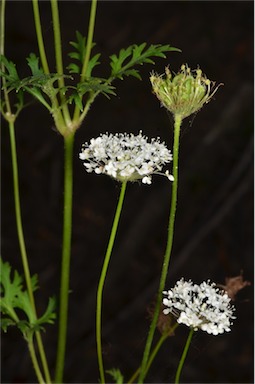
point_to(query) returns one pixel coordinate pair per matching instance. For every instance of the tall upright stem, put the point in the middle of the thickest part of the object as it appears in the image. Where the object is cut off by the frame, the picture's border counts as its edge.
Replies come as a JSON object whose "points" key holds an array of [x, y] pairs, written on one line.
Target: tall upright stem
{"points": [[22, 245], [66, 253], [92, 18], [164, 271], [2, 36], [102, 280], [59, 61], [89, 38], [39, 35]]}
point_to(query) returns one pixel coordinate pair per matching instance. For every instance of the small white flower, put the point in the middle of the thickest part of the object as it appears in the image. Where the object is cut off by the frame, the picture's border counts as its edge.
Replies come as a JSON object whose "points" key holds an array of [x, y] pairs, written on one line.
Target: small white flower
{"points": [[200, 306], [126, 157]]}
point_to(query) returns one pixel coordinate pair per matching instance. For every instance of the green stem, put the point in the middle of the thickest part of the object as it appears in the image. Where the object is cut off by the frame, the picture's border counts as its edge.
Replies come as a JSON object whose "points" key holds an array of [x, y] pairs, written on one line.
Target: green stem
{"points": [[157, 347], [22, 244], [102, 280], [66, 253], [6, 98], [86, 108], [11, 120], [164, 271], [57, 115], [35, 361], [152, 357], [90, 38], [40, 37], [184, 354], [59, 62], [92, 18]]}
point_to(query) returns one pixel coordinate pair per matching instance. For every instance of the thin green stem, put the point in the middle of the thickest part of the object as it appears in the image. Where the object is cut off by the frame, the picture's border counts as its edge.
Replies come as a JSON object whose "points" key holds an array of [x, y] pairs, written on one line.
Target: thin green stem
{"points": [[59, 61], [184, 354], [22, 245], [66, 253], [164, 271], [35, 361], [155, 351], [40, 37], [158, 346], [92, 18], [151, 358], [57, 115], [86, 108], [11, 120], [2, 33], [102, 280], [90, 38]]}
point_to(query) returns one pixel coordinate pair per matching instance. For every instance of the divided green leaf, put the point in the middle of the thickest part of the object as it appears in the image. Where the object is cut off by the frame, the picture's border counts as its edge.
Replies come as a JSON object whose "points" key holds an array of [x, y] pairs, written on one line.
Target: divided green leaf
{"points": [[91, 86], [14, 297], [122, 64], [10, 72], [79, 55]]}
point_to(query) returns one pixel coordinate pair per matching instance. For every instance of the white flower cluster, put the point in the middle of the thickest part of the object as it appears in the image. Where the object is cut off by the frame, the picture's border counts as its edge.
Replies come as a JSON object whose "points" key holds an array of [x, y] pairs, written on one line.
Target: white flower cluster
{"points": [[200, 306], [126, 157]]}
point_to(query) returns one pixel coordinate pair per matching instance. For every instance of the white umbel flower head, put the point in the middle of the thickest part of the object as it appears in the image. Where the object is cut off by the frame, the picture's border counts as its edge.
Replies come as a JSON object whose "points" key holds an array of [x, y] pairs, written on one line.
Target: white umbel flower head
{"points": [[200, 306], [126, 157]]}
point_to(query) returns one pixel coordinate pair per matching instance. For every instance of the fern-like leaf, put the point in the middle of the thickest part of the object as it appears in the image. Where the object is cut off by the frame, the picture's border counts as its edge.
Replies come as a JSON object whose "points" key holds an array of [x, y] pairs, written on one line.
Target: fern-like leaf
{"points": [[79, 55], [123, 63], [13, 297]]}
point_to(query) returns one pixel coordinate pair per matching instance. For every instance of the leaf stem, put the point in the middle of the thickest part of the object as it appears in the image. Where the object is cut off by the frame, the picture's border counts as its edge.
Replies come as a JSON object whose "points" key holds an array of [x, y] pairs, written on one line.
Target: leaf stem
{"points": [[102, 280], [66, 253], [164, 271], [183, 357]]}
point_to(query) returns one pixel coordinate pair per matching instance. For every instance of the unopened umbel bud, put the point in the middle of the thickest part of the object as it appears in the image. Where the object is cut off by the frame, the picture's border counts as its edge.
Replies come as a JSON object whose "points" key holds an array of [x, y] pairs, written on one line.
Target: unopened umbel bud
{"points": [[184, 93]]}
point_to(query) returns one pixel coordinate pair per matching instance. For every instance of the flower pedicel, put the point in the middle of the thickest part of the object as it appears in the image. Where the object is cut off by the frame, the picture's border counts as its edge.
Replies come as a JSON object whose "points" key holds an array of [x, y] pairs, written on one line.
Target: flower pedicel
{"points": [[126, 157]]}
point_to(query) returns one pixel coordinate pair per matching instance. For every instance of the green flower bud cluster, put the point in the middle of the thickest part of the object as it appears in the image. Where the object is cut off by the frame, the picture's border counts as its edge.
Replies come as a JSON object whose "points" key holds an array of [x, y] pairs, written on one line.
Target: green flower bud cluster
{"points": [[185, 93]]}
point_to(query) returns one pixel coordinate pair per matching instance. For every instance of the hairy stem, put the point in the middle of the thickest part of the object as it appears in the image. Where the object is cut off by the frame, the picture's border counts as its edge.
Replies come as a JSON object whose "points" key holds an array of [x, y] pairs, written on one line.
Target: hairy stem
{"points": [[164, 271], [102, 280], [66, 253]]}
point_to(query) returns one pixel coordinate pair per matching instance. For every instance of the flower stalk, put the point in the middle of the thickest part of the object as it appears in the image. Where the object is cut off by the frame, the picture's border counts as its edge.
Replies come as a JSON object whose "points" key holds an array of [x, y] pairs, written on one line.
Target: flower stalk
{"points": [[102, 281], [183, 357], [164, 271]]}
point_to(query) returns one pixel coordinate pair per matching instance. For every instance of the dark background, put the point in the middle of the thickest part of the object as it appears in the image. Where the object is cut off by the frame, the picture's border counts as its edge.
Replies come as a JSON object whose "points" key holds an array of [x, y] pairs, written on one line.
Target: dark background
{"points": [[214, 224]]}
